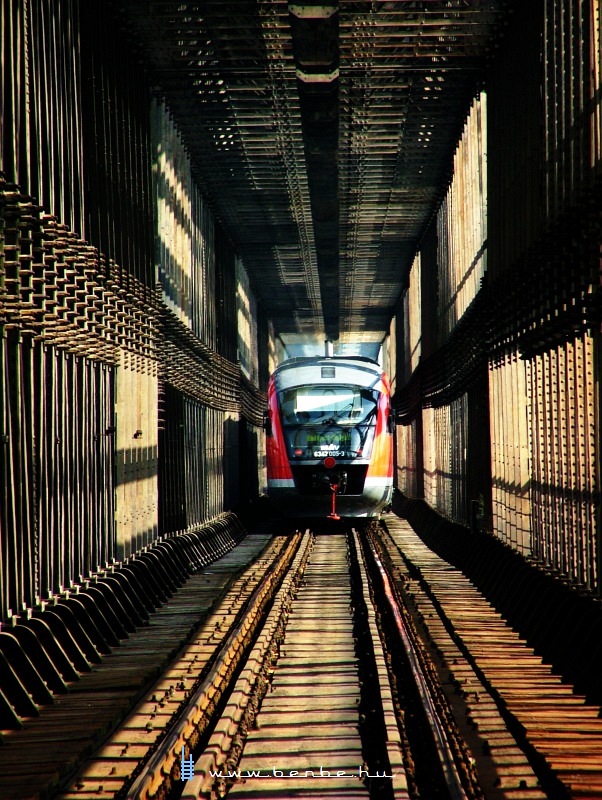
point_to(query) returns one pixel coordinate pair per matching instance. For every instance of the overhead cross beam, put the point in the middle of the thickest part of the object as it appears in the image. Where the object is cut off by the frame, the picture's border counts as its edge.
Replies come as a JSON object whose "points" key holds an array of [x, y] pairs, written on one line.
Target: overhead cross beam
{"points": [[315, 36], [322, 133]]}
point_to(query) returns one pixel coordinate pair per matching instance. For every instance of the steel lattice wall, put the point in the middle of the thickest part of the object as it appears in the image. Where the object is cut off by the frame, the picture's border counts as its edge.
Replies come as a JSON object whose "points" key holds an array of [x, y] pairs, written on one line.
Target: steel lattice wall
{"points": [[565, 452], [41, 105], [185, 253], [94, 358], [55, 472], [510, 453], [507, 391], [462, 224]]}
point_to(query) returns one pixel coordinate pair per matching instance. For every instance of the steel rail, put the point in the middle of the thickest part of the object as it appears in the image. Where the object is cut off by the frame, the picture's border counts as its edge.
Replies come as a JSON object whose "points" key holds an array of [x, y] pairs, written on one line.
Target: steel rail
{"points": [[224, 757], [448, 765], [216, 755], [393, 737], [158, 769]]}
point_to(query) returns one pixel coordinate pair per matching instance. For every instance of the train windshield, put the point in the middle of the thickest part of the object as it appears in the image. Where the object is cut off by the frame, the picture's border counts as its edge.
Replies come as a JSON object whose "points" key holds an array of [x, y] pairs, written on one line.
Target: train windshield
{"points": [[316, 405]]}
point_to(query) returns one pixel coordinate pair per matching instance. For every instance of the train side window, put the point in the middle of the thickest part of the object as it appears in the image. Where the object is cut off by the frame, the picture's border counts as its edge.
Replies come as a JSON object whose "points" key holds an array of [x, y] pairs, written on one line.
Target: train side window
{"points": [[267, 424]]}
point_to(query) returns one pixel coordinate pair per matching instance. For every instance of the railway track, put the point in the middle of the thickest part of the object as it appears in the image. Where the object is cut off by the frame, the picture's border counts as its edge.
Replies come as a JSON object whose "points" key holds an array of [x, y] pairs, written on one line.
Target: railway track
{"points": [[354, 666], [309, 738], [529, 734], [288, 692], [202, 669], [37, 758]]}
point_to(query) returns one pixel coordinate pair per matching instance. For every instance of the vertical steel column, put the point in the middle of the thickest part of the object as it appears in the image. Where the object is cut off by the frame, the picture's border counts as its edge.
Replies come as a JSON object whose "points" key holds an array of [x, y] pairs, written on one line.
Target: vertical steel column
{"points": [[64, 521], [86, 456], [27, 445], [510, 463], [540, 500], [594, 99], [565, 453], [8, 563], [496, 444], [4, 487], [588, 442]]}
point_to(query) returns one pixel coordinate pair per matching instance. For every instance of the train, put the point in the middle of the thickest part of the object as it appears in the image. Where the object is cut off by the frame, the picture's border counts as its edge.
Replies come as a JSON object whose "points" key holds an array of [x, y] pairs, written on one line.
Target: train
{"points": [[329, 438]]}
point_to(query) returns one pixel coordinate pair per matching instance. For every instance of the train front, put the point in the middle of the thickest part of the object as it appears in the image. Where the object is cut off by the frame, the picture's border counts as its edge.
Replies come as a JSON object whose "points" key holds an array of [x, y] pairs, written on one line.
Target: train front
{"points": [[329, 439]]}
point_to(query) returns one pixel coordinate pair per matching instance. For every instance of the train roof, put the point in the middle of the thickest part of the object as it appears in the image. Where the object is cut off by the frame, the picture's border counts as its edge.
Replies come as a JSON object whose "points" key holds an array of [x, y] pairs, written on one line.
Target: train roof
{"points": [[343, 369], [308, 361]]}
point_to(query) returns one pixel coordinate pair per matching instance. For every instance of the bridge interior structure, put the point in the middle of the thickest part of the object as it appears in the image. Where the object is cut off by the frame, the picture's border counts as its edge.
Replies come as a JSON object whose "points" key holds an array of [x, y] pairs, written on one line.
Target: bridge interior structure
{"points": [[192, 192]]}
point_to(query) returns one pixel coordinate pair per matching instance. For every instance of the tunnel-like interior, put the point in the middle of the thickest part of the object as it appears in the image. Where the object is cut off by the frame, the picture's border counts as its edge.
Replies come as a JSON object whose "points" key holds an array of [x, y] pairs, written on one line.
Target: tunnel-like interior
{"points": [[192, 193]]}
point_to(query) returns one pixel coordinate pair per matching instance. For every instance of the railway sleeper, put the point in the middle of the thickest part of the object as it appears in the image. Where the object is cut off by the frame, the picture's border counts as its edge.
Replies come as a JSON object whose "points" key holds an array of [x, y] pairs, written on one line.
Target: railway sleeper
{"points": [[160, 771], [227, 740], [379, 735], [436, 756], [518, 715], [560, 620]]}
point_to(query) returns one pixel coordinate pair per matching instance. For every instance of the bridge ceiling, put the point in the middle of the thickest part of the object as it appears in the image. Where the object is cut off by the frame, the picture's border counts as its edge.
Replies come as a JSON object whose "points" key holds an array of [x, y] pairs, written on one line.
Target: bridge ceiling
{"points": [[323, 134]]}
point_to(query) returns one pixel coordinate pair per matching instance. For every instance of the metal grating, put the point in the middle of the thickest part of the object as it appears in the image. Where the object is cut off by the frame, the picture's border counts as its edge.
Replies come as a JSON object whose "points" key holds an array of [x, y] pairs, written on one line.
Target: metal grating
{"points": [[323, 134], [408, 73]]}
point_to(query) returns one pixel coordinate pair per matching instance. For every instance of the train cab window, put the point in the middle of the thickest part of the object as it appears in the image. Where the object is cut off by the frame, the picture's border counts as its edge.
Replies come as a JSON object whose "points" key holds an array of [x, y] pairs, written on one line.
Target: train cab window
{"points": [[343, 405]]}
